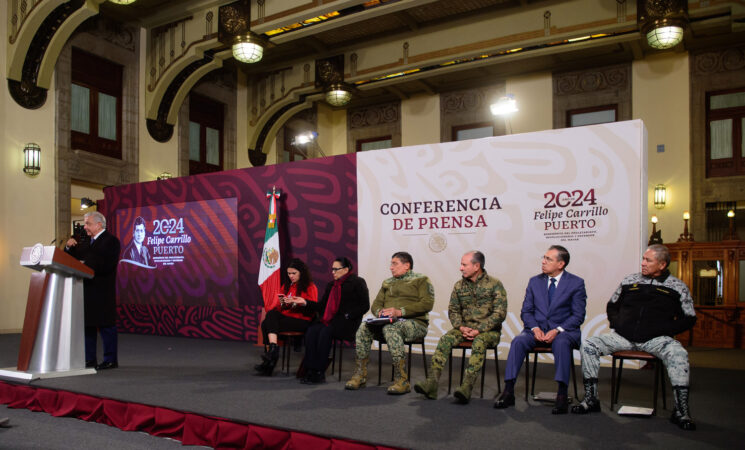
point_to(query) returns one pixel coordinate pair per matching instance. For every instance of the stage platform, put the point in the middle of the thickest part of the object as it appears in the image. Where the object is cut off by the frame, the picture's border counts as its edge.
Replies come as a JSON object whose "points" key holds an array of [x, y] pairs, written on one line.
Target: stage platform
{"points": [[214, 379]]}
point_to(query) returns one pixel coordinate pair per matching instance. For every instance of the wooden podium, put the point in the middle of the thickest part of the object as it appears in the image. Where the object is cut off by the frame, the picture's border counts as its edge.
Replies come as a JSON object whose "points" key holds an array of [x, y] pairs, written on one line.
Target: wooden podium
{"points": [[52, 344]]}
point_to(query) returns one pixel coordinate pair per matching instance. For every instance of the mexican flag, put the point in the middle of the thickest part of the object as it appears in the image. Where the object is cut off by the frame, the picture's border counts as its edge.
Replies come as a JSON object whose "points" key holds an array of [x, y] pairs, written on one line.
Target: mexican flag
{"points": [[269, 269]]}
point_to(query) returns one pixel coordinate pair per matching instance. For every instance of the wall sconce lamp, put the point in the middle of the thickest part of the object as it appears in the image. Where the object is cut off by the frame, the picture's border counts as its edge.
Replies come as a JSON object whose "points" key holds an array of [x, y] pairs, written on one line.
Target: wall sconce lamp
{"points": [[660, 196], [31, 159], [504, 106], [165, 176], [234, 21], [686, 236], [662, 22], [86, 203]]}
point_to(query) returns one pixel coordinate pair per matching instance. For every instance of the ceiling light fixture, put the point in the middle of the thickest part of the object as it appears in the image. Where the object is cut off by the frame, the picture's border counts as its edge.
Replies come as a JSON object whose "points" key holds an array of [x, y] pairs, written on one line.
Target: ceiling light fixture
{"points": [[248, 48], [234, 29], [330, 78], [662, 22], [338, 95]]}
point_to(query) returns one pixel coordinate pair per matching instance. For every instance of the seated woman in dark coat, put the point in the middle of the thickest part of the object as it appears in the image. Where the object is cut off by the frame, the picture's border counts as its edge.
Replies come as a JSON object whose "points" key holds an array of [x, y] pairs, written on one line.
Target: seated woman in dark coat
{"points": [[339, 314], [294, 313]]}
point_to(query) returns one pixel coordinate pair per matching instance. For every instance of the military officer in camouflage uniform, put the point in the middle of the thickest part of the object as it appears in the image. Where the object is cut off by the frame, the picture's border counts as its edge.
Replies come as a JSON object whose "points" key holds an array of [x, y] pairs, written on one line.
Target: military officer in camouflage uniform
{"points": [[645, 312], [407, 297], [478, 305]]}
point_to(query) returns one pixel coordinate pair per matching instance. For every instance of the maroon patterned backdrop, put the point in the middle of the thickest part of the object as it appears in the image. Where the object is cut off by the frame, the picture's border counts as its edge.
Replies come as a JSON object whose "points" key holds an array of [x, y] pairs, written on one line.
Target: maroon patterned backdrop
{"points": [[317, 222]]}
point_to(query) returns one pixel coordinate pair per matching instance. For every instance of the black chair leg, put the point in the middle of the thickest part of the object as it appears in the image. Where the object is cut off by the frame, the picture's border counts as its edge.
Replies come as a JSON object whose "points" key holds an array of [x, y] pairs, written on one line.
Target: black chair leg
{"points": [[662, 385], [618, 380], [333, 355], [656, 381], [535, 370], [483, 374], [424, 360], [574, 376], [496, 366], [527, 375], [380, 361], [286, 358], [450, 371], [408, 363]]}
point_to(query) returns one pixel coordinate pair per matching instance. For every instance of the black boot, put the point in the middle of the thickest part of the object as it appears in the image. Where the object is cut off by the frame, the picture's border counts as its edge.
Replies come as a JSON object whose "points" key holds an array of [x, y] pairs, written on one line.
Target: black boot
{"points": [[273, 358], [308, 377], [264, 361], [590, 402], [319, 377], [681, 416], [314, 376]]}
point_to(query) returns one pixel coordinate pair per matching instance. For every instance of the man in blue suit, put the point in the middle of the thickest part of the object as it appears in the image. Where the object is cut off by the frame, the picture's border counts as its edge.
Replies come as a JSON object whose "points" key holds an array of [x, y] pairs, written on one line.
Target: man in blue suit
{"points": [[553, 310]]}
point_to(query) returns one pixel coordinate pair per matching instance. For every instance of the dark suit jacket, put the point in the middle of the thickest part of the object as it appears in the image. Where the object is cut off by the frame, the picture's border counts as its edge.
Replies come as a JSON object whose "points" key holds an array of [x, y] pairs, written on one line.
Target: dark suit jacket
{"points": [[355, 301], [99, 292], [567, 309], [132, 254]]}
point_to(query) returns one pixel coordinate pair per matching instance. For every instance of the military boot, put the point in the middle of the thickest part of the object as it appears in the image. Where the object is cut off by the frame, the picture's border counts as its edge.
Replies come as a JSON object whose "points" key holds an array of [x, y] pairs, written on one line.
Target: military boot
{"points": [[463, 393], [428, 387], [359, 378], [401, 381], [681, 416], [590, 402]]}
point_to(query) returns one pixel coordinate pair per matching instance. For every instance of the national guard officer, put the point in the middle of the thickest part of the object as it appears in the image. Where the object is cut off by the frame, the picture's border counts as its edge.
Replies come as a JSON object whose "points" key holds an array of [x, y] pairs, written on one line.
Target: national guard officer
{"points": [[647, 310]]}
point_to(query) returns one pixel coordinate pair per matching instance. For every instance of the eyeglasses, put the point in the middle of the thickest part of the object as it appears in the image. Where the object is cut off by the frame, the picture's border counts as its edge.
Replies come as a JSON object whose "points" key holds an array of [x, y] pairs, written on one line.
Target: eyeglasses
{"points": [[336, 269]]}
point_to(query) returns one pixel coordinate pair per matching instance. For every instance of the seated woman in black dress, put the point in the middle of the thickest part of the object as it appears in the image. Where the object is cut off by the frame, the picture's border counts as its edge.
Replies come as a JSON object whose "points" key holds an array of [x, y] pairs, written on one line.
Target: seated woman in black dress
{"points": [[339, 314], [294, 313]]}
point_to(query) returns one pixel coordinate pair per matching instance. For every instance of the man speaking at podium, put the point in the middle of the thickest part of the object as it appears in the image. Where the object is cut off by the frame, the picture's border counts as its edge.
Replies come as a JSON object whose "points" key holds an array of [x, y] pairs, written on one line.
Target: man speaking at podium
{"points": [[99, 292]]}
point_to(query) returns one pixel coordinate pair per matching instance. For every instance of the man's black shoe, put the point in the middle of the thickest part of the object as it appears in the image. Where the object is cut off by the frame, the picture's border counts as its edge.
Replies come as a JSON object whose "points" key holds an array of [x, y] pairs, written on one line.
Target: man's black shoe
{"points": [[561, 406], [505, 400], [90, 364], [107, 365]]}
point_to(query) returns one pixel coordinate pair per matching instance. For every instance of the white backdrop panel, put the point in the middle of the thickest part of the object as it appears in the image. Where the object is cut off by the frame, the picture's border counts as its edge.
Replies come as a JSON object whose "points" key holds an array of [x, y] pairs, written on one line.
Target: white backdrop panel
{"points": [[510, 197]]}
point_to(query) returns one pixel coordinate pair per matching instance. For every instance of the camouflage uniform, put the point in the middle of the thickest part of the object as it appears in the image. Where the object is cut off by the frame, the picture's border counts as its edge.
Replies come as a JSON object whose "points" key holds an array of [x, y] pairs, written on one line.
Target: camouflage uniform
{"points": [[481, 305], [649, 330], [414, 295]]}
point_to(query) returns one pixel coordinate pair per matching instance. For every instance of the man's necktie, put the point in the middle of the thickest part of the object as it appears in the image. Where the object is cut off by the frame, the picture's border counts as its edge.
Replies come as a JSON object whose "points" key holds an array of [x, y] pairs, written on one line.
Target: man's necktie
{"points": [[551, 290]]}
